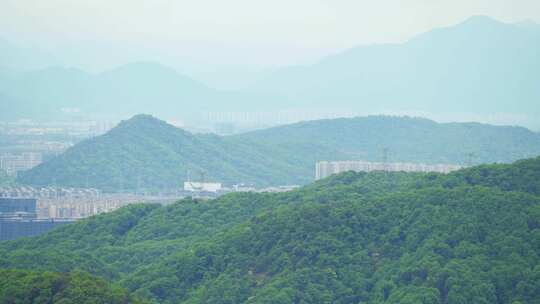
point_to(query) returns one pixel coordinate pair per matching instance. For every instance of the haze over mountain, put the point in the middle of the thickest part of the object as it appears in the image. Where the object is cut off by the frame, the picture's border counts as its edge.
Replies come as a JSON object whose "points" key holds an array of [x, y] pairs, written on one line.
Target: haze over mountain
{"points": [[232, 187], [146, 153], [20, 58], [480, 69], [479, 66], [116, 92]]}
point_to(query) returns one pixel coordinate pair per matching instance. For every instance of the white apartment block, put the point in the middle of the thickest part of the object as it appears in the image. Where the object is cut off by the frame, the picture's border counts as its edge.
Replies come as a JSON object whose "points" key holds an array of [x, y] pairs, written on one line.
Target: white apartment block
{"points": [[326, 168]]}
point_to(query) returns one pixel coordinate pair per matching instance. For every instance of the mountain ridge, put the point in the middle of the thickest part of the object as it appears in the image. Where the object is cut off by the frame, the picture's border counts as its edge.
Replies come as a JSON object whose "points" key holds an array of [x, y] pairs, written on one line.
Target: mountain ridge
{"points": [[468, 67], [145, 151], [479, 66]]}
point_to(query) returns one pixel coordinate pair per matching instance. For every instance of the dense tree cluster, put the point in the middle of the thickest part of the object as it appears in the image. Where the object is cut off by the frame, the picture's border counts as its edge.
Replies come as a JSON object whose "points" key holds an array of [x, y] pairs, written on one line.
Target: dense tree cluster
{"points": [[27, 287], [472, 236]]}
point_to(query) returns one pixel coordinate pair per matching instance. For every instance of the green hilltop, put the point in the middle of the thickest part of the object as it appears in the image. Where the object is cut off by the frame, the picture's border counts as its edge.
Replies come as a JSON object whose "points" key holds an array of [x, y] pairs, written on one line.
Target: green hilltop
{"points": [[472, 236], [147, 153]]}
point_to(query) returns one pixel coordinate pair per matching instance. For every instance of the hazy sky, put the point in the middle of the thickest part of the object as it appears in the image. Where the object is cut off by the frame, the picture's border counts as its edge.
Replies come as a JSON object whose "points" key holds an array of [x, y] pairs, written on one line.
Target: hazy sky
{"points": [[98, 33]]}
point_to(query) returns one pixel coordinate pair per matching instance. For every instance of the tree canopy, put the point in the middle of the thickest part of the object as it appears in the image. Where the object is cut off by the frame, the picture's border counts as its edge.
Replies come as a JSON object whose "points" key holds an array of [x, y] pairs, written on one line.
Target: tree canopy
{"points": [[26, 287], [472, 236]]}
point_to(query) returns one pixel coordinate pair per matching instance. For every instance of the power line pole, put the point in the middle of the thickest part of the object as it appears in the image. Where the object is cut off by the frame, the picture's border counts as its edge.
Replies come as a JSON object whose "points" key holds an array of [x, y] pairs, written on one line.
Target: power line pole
{"points": [[203, 176], [385, 158], [470, 157], [138, 190]]}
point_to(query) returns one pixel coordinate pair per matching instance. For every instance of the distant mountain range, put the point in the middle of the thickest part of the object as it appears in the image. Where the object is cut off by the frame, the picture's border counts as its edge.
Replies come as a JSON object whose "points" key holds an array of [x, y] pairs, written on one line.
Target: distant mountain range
{"points": [[481, 66], [478, 66], [118, 91], [24, 58], [147, 153]]}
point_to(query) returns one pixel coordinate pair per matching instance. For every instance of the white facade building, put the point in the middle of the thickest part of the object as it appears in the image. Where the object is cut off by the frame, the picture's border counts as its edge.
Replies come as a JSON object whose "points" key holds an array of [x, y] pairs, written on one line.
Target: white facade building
{"points": [[326, 168], [202, 187]]}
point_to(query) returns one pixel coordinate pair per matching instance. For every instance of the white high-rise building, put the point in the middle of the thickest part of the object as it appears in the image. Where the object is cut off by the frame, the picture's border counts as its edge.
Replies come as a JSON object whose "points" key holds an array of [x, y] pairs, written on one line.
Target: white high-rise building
{"points": [[326, 168]]}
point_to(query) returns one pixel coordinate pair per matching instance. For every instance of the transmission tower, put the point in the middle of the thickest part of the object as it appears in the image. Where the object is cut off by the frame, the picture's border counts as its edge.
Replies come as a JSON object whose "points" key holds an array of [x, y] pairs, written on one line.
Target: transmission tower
{"points": [[138, 190], [385, 158], [121, 183], [470, 158], [203, 176]]}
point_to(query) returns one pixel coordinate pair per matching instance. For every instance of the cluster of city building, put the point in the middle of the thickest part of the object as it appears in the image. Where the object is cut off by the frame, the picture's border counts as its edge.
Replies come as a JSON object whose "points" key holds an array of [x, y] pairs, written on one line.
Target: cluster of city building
{"points": [[81, 207], [12, 163], [191, 188], [29, 211], [326, 168], [27, 143], [73, 128], [19, 218], [47, 192], [73, 203]]}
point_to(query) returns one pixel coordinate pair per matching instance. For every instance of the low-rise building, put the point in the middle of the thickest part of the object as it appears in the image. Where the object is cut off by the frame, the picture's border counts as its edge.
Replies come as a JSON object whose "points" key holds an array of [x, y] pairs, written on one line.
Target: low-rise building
{"points": [[202, 187], [18, 218]]}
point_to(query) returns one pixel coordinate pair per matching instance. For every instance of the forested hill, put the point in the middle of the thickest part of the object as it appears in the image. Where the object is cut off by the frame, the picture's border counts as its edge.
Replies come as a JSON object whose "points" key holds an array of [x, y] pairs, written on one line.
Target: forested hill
{"points": [[408, 139], [523, 176], [149, 153], [144, 152], [472, 236]]}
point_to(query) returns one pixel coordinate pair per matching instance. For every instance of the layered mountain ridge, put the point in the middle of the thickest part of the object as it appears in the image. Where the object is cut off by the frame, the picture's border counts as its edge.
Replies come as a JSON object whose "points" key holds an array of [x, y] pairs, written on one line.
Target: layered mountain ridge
{"points": [[145, 153]]}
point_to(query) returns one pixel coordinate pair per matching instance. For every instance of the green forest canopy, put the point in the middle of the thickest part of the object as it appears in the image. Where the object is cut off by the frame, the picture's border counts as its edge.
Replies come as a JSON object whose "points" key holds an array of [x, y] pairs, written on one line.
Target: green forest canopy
{"points": [[22, 287], [472, 236]]}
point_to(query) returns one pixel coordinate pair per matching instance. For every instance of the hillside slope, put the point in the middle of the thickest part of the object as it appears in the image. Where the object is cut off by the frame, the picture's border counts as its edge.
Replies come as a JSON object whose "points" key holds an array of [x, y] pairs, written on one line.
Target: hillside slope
{"points": [[407, 139], [467, 237], [146, 153]]}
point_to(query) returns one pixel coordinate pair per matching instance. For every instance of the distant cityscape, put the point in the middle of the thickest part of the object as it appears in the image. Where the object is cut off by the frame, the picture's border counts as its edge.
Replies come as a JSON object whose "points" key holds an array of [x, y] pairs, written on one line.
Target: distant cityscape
{"points": [[28, 211], [12, 163], [56, 203], [27, 143]]}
